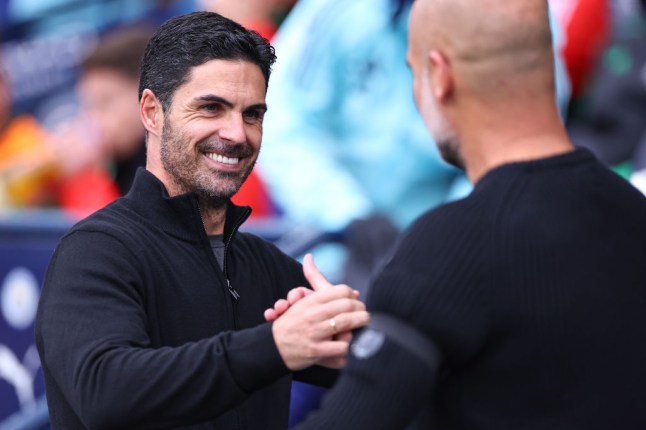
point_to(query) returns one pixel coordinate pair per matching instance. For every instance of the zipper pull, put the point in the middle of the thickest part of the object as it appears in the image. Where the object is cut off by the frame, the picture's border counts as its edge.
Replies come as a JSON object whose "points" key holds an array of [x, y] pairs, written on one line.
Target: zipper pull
{"points": [[233, 292]]}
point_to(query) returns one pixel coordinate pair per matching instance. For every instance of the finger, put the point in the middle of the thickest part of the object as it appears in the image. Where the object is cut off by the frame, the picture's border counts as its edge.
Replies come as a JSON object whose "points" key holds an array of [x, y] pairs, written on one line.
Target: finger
{"points": [[329, 294], [281, 306], [332, 349], [313, 274], [317, 316], [271, 315], [344, 336], [337, 308], [337, 326], [298, 293]]}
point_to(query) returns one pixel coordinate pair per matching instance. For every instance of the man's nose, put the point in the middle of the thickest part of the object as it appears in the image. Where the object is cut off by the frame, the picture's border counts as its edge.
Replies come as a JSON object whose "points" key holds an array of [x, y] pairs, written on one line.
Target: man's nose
{"points": [[233, 130]]}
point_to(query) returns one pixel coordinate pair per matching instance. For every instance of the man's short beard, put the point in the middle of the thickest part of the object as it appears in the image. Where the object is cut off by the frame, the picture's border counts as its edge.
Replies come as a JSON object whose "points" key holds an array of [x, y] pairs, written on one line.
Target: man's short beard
{"points": [[443, 133], [450, 152], [183, 169], [216, 199]]}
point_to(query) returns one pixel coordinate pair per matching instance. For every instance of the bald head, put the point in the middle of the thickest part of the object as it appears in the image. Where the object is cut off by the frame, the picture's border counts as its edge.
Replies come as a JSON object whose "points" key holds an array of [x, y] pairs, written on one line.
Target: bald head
{"points": [[483, 79], [489, 43]]}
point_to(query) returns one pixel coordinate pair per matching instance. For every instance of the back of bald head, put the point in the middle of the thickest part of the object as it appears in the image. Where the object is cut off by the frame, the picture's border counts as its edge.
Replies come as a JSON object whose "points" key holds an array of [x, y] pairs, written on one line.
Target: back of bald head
{"points": [[492, 45]]}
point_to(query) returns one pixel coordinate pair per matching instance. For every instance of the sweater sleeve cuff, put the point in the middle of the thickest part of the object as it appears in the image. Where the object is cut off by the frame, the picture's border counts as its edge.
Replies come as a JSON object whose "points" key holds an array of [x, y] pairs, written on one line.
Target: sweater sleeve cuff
{"points": [[254, 358]]}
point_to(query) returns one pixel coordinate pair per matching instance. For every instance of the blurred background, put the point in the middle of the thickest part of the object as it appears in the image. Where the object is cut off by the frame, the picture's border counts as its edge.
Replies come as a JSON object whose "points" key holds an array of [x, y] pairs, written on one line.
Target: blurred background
{"points": [[340, 106]]}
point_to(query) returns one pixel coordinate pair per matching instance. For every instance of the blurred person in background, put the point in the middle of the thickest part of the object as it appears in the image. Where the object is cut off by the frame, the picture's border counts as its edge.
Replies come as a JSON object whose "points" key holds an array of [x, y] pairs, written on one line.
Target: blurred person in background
{"points": [[609, 117], [90, 160], [28, 172], [262, 16], [108, 92], [43, 18], [343, 139], [586, 27], [104, 145]]}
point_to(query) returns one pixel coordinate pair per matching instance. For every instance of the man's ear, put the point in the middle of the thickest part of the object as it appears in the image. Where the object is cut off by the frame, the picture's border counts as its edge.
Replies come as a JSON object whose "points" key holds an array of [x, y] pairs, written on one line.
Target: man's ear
{"points": [[151, 112], [441, 76]]}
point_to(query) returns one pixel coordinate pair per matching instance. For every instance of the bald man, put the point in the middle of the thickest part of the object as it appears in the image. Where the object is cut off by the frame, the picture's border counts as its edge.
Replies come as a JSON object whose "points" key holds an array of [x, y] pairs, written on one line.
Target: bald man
{"points": [[522, 306]]}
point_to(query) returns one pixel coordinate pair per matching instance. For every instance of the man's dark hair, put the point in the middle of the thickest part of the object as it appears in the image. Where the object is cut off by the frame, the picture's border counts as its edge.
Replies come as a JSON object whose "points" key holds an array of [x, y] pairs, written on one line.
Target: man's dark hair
{"points": [[190, 40]]}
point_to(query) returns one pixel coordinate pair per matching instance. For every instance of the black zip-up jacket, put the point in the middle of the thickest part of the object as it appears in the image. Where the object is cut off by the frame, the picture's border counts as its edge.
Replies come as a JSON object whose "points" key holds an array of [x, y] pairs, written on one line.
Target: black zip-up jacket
{"points": [[138, 326]]}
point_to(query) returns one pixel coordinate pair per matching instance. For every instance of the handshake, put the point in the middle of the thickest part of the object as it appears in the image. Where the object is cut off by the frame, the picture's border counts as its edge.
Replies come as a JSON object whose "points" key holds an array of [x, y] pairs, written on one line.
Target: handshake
{"points": [[315, 326]]}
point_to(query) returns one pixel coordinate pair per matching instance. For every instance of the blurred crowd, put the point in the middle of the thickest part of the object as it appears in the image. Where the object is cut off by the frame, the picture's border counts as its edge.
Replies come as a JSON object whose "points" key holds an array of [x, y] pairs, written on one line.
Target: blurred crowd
{"points": [[341, 112], [344, 148], [70, 135]]}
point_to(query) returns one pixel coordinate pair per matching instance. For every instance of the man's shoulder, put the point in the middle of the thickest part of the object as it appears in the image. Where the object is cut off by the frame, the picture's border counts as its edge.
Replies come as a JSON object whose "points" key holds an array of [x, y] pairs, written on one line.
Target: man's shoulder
{"points": [[459, 215], [115, 219]]}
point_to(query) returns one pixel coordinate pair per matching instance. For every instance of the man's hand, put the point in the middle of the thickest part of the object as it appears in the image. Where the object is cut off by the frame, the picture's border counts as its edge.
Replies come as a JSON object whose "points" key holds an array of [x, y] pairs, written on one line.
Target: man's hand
{"points": [[282, 305], [314, 327], [316, 279]]}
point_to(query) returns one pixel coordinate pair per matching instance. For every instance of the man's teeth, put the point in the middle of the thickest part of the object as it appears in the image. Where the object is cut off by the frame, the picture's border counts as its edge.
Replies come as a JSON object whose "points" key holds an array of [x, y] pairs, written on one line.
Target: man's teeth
{"points": [[222, 159]]}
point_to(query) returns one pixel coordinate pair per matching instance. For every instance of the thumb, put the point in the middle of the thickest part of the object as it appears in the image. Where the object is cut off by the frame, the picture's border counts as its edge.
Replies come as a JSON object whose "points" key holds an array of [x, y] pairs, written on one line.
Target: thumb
{"points": [[313, 274]]}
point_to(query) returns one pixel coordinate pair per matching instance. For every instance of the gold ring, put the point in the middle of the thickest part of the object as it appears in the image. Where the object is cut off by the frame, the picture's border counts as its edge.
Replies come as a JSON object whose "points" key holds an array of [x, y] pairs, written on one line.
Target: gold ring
{"points": [[333, 325]]}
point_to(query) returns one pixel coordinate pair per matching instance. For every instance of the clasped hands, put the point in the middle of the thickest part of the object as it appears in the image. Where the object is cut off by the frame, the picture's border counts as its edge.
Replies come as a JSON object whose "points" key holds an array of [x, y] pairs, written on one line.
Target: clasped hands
{"points": [[315, 326]]}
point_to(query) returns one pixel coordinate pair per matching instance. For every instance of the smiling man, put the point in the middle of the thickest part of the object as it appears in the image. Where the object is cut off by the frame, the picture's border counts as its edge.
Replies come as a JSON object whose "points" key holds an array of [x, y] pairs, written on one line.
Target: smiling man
{"points": [[151, 314], [225, 94]]}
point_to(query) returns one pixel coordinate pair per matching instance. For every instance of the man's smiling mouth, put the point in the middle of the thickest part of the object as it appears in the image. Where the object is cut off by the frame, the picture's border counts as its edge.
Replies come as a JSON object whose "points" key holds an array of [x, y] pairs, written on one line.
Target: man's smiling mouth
{"points": [[222, 159]]}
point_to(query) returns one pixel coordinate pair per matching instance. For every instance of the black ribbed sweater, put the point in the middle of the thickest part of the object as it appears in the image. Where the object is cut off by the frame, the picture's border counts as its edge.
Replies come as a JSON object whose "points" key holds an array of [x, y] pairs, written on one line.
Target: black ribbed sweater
{"points": [[533, 289], [137, 329]]}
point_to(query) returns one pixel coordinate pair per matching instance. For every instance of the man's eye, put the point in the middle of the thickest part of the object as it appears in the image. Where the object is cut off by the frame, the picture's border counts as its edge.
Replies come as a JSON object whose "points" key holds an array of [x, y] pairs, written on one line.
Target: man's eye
{"points": [[211, 107], [253, 115]]}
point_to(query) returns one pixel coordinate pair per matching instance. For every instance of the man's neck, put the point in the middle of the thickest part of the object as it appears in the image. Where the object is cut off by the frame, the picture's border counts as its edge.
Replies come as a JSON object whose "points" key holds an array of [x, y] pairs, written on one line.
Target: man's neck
{"points": [[502, 139], [527, 149], [213, 218]]}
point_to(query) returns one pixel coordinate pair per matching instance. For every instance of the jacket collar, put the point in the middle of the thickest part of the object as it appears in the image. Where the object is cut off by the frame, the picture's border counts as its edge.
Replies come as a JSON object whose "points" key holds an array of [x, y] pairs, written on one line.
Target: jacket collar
{"points": [[178, 215]]}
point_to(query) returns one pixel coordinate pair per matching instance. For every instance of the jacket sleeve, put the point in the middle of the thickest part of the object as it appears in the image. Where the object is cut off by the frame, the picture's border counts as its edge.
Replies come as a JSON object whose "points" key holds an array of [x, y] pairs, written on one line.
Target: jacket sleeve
{"points": [[317, 375], [391, 373], [92, 337]]}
